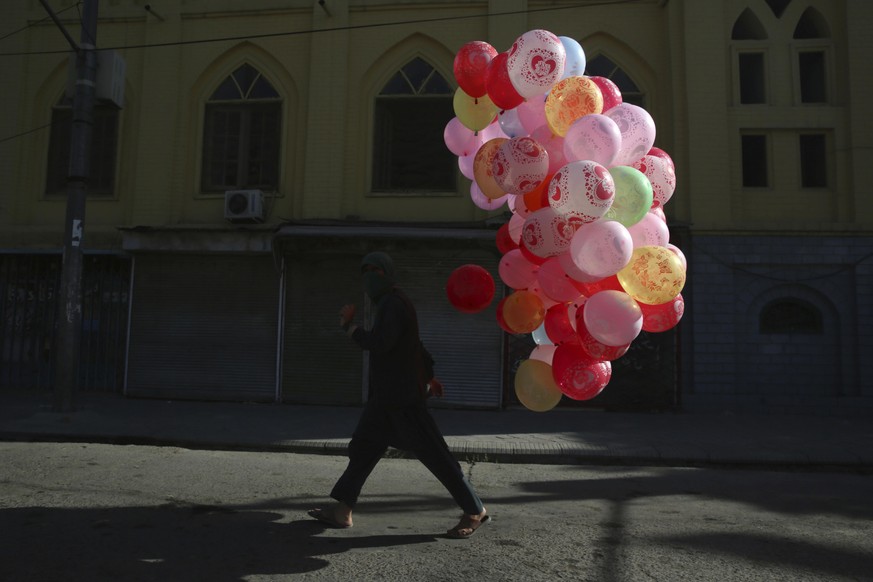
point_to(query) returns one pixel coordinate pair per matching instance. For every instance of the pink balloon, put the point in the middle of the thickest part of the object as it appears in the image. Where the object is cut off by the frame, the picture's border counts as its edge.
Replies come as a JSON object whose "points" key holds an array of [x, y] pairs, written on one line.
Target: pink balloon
{"points": [[535, 62], [532, 113], [516, 271], [553, 144], [516, 224], [613, 318], [610, 91], [547, 234], [461, 140], [597, 350], [679, 254], [593, 137], [482, 201], [637, 132], [582, 189], [574, 272], [520, 165], [543, 353], [602, 248], [650, 231], [661, 174], [555, 283]]}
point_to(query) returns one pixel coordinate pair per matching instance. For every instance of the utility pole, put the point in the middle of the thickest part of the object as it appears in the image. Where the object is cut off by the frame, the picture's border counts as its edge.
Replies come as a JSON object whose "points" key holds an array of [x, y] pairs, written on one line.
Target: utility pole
{"points": [[69, 331]]}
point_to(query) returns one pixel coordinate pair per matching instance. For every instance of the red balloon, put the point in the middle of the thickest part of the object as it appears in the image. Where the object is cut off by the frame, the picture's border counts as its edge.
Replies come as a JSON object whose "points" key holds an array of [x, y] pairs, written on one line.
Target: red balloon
{"points": [[471, 66], [499, 87], [657, 318], [577, 374], [470, 288], [610, 91], [504, 240], [610, 283], [558, 326]]}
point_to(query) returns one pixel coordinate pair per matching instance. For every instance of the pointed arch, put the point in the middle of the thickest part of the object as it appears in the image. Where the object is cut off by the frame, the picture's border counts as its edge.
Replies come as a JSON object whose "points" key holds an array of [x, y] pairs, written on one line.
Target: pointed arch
{"points": [[811, 24], [614, 59], [748, 26]]}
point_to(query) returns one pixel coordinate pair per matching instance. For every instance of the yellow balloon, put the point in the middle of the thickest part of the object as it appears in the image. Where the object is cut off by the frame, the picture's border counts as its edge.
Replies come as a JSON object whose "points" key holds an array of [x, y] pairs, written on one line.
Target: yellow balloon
{"points": [[475, 113], [654, 275], [523, 311], [535, 387], [571, 99], [482, 172]]}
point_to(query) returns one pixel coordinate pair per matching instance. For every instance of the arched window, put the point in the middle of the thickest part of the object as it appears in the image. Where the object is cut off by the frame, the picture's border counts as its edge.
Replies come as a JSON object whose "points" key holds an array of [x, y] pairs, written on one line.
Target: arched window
{"points": [[411, 112], [791, 316], [602, 66], [104, 146], [812, 56], [242, 134], [751, 64]]}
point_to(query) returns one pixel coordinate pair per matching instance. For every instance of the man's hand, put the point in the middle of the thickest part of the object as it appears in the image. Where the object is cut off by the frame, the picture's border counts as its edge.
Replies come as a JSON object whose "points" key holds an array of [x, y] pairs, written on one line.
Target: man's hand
{"points": [[347, 314], [435, 388]]}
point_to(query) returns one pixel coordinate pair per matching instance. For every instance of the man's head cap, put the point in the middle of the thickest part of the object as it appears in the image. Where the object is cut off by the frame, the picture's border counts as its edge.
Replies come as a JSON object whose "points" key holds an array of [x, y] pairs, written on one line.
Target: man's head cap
{"points": [[379, 260]]}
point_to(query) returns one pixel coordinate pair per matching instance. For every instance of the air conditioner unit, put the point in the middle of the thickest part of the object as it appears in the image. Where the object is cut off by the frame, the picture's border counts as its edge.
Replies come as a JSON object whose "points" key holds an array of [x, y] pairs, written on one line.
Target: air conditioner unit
{"points": [[244, 205]]}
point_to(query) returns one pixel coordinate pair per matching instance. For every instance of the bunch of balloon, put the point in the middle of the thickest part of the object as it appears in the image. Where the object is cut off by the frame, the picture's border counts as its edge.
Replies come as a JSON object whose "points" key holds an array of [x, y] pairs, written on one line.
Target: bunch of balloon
{"points": [[586, 251]]}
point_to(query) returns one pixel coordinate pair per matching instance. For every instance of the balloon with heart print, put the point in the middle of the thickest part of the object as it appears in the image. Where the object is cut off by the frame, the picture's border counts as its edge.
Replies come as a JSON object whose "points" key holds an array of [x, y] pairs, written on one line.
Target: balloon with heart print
{"points": [[482, 171], [535, 62], [578, 375], [547, 234], [594, 348], [658, 318], [661, 174], [520, 165], [583, 189]]}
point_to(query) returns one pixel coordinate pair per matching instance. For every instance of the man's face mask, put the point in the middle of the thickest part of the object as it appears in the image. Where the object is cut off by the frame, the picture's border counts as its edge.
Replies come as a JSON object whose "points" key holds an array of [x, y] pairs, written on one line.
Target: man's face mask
{"points": [[376, 284]]}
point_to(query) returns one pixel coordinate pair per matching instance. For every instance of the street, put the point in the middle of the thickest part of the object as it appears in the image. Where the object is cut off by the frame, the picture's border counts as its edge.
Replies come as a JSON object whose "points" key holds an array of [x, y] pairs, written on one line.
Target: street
{"points": [[75, 511]]}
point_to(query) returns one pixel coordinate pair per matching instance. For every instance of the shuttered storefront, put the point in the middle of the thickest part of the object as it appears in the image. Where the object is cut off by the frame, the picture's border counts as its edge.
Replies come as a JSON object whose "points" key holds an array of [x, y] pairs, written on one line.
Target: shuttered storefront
{"points": [[204, 327], [322, 366]]}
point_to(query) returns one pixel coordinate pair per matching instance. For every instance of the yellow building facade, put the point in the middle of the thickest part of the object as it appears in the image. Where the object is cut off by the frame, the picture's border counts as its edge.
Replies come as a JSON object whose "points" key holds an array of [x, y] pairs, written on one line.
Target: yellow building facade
{"points": [[329, 113]]}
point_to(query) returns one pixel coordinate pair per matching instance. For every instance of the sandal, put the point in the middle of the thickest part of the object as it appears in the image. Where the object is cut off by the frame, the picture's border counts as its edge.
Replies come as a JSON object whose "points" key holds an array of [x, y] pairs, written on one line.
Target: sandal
{"points": [[467, 527], [327, 518]]}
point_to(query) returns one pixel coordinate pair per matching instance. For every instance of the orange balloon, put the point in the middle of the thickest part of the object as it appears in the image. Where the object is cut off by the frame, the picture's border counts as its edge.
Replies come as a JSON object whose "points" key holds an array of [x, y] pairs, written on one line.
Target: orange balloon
{"points": [[571, 99], [539, 196], [482, 173], [523, 311]]}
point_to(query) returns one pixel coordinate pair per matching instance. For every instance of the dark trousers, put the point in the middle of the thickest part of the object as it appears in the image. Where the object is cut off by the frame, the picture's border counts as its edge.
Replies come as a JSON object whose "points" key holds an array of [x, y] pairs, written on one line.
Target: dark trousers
{"points": [[409, 428]]}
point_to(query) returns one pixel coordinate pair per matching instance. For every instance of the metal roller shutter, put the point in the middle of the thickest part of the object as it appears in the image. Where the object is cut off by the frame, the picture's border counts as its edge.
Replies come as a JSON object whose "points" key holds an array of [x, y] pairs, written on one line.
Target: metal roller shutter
{"points": [[204, 327], [467, 347], [320, 365]]}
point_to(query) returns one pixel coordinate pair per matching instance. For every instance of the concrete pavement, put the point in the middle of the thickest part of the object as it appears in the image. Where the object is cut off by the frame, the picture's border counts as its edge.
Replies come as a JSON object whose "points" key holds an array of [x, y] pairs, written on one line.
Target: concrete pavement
{"points": [[560, 436]]}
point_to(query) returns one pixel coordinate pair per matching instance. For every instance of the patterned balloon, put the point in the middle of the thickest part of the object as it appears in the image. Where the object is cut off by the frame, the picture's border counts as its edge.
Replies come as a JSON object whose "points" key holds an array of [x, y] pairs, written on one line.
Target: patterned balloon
{"points": [[582, 189], [658, 318], [482, 168], [547, 234], [662, 175], [611, 92], [520, 165], [593, 137], [577, 374], [535, 62], [572, 99], [654, 275], [637, 132]]}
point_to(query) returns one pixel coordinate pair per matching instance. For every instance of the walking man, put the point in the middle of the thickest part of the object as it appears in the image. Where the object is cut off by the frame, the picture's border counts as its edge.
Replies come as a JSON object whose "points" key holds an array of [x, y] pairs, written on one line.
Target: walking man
{"points": [[395, 413]]}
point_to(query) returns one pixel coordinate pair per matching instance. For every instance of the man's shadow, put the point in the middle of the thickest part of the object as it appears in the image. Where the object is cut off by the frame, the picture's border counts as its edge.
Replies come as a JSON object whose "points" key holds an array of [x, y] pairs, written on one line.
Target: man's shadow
{"points": [[169, 542]]}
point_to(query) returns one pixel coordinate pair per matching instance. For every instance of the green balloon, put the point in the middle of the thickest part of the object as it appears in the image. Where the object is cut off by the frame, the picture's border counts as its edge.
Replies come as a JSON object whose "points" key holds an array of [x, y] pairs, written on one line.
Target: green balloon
{"points": [[633, 195]]}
